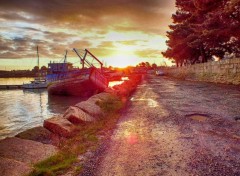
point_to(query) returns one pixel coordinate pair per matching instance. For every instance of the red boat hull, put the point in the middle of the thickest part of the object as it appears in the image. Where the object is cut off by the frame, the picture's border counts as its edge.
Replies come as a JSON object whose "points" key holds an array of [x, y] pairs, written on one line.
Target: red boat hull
{"points": [[84, 85]]}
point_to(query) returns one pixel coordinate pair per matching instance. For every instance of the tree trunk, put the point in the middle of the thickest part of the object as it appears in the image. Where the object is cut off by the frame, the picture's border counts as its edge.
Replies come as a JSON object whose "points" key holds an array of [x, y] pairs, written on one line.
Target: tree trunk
{"points": [[204, 59]]}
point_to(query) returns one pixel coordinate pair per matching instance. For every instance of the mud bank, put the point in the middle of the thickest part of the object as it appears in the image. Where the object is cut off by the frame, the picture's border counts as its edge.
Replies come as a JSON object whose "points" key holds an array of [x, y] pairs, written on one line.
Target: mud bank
{"points": [[20, 155]]}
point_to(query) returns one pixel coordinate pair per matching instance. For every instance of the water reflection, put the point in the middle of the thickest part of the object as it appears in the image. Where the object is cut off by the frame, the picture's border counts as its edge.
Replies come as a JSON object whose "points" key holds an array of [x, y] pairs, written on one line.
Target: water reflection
{"points": [[114, 83], [15, 81], [150, 102], [59, 104], [24, 109]]}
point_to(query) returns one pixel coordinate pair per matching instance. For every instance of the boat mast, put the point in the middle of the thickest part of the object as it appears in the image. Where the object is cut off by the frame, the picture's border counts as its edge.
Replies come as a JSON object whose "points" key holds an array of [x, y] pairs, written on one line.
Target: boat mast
{"points": [[38, 57], [65, 57]]}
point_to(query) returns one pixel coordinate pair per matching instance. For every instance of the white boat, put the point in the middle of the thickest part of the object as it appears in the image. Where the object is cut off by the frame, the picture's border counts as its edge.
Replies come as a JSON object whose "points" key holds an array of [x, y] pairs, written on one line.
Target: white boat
{"points": [[39, 82], [36, 84]]}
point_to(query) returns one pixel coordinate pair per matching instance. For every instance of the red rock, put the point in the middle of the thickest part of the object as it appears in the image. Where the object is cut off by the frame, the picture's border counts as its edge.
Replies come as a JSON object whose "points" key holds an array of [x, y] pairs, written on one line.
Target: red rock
{"points": [[77, 116], [90, 107], [26, 151], [101, 96], [10, 167], [60, 126]]}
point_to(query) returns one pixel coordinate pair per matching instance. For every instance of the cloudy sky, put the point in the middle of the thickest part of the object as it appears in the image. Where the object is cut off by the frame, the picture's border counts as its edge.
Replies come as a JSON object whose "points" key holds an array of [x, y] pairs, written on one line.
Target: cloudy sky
{"points": [[119, 32]]}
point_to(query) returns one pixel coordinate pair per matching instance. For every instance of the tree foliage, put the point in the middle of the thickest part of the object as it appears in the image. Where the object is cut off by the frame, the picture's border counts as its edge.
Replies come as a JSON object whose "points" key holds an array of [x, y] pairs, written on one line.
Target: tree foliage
{"points": [[203, 28]]}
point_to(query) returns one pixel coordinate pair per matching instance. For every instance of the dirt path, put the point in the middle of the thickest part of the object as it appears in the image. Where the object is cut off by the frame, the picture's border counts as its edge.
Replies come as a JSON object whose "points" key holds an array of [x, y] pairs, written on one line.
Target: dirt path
{"points": [[175, 128]]}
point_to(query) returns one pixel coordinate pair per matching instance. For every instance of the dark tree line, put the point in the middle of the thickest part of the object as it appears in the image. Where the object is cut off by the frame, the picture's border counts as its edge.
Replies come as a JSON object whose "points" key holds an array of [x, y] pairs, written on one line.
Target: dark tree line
{"points": [[202, 29]]}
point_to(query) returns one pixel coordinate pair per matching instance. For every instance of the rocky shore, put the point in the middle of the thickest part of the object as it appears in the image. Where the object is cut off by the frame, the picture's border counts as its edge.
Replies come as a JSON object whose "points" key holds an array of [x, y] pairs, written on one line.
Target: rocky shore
{"points": [[22, 154]]}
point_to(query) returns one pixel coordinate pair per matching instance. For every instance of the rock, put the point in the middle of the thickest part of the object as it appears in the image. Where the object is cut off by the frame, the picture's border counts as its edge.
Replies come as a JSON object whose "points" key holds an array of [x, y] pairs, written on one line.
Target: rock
{"points": [[101, 96], [39, 134], [77, 116], [237, 118], [110, 91], [10, 167], [60, 126], [121, 91], [90, 107], [26, 151]]}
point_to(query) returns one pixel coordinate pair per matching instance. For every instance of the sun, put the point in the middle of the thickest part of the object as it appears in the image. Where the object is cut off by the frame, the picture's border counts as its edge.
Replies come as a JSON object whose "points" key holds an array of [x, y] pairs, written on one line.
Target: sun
{"points": [[122, 60]]}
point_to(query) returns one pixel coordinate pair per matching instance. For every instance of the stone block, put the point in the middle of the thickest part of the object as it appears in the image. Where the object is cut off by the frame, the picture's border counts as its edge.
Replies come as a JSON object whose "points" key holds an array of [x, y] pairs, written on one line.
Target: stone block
{"points": [[77, 116], [237, 65], [60, 126], [238, 70], [90, 107], [10, 167], [26, 151], [101, 96], [39, 134], [234, 61], [224, 66]]}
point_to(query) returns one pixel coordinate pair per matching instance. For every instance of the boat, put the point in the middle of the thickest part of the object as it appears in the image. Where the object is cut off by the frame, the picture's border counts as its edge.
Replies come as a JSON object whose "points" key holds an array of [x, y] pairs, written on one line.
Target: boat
{"points": [[39, 81], [64, 79], [36, 84]]}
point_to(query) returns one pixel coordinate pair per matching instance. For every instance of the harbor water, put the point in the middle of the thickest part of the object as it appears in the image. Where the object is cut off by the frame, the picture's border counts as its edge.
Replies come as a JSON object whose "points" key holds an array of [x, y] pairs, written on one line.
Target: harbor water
{"points": [[24, 109]]}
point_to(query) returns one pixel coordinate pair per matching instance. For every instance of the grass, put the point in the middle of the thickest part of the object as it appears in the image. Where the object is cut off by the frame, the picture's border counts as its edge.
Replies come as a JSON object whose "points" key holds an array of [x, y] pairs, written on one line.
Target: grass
{"points": [[54, 165], [85, 139], [112, 104]]}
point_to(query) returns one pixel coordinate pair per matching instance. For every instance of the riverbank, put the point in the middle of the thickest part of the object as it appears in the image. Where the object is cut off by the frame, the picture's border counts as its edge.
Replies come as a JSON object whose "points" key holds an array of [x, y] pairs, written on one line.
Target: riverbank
{"points": [[75, 134]]}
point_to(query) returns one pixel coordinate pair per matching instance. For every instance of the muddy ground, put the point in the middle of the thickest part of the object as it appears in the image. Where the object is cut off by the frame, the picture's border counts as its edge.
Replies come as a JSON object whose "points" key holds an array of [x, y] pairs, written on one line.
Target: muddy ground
{"points": [[174, 127]]}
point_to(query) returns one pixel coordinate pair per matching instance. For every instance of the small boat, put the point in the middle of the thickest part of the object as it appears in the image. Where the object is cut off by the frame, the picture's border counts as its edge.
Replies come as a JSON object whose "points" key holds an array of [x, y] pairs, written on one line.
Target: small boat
{"points": [[36, 84], [64, 79], [39, 81]]}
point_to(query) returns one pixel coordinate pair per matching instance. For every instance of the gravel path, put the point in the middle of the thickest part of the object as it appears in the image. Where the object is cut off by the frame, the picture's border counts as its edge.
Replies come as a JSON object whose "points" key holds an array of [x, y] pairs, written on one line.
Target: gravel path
{"points": [[174, 128]]}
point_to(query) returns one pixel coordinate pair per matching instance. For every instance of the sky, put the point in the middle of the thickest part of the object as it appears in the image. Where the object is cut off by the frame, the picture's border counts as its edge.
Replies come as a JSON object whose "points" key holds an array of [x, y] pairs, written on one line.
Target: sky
{"points": [[118, 32]]}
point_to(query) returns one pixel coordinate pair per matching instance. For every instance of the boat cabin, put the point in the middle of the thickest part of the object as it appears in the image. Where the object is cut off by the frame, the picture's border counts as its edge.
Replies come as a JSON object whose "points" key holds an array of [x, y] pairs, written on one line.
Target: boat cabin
{"points": [[59, 67]]}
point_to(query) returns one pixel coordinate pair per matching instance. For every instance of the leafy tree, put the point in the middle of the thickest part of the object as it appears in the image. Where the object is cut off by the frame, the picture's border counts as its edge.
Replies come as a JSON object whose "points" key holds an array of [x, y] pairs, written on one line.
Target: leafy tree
{"points": [[223, 32], [154, 66], [35, 69], [203, 28], [142, 64], [147, 64], [44, 68]]}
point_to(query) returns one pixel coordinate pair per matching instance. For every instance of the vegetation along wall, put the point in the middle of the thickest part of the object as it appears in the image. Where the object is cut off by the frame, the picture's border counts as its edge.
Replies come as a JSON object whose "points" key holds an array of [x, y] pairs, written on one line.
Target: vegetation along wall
{"points": [[223, 71]]}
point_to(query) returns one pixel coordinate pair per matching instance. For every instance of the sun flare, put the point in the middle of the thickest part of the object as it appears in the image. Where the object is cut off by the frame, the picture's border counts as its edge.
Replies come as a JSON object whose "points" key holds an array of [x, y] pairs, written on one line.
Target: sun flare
{"points": [[122, 60]]}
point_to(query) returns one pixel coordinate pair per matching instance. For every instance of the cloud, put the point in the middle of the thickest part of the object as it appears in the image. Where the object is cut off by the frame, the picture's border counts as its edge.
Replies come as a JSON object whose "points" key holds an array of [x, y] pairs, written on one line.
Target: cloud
{"points": [[106, 27], [93, 13]]}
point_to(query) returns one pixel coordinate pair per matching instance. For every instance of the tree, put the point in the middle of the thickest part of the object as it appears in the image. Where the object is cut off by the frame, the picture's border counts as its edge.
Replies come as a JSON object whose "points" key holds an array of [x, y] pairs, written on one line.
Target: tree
{"points": [[223, 27], [203, 28], [147, 64], [142, 64], [44, 68], [35, 69], [154, 66], [182, 34]]}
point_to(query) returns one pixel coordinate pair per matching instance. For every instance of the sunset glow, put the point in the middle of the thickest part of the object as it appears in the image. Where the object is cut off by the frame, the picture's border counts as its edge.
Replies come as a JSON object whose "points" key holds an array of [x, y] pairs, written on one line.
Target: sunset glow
{"points": [[120, 33]]}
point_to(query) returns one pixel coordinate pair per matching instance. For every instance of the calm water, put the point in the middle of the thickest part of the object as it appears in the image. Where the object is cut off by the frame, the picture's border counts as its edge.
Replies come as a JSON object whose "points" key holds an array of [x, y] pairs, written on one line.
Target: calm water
{"points": [[14, 81], [24, 109]]}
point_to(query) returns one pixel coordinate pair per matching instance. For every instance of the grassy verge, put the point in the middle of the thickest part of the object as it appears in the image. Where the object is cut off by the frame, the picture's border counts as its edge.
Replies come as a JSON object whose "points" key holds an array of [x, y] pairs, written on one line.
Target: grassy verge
{"points": [[85, 139]]}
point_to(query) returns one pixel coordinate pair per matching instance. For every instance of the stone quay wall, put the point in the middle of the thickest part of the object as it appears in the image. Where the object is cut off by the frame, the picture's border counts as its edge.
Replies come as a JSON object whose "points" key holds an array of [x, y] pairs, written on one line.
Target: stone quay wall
{"points": [[223, 71]]}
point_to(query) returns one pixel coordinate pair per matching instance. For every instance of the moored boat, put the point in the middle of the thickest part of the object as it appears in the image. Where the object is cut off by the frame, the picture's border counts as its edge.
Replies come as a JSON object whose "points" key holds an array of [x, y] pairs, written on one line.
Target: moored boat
{"points": [[36, 84], [66, 80], [39, 81]]}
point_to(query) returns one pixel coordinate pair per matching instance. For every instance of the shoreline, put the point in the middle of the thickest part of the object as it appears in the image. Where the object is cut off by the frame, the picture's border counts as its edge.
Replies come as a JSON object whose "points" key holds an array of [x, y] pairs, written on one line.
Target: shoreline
{"points": [[59, 131]]}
